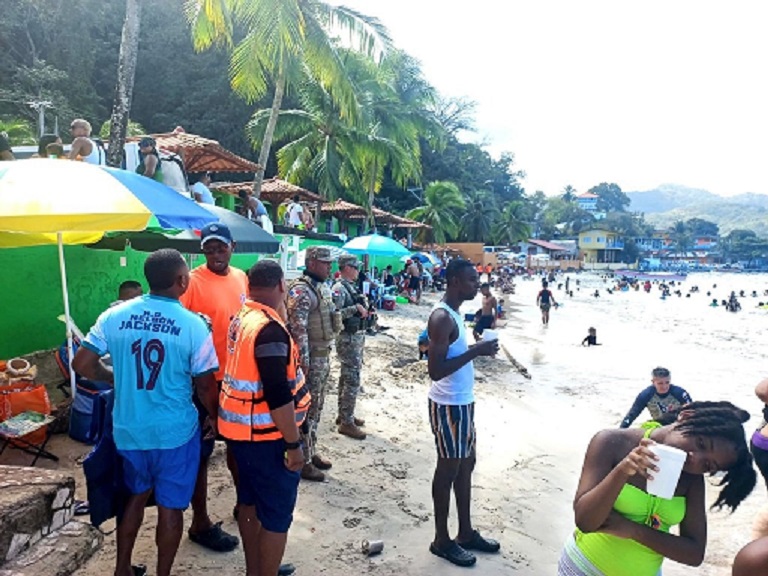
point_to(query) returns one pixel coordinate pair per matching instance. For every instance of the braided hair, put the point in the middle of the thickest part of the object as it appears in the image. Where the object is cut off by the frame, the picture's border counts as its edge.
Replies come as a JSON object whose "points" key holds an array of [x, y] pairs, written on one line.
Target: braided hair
{"points": [[720, 420]]}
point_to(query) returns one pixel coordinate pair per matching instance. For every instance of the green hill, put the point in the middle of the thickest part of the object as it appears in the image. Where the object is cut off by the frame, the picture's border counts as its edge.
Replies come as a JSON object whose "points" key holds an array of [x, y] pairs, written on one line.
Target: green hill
{"points": [[670, 202]]}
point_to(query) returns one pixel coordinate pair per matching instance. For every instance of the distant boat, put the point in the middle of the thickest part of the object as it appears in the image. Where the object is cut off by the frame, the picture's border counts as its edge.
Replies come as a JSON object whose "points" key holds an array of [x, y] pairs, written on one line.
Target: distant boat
{"points": [[644, 275]]}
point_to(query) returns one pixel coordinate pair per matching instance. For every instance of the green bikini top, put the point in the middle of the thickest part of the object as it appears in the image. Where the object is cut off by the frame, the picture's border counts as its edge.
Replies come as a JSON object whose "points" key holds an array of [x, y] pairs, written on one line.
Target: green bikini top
{"points": [[625, 557]]}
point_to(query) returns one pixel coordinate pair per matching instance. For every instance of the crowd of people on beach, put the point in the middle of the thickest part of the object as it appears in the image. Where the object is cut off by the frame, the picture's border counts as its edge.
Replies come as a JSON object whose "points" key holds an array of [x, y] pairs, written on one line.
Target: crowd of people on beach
{"points": [[256, 351], [217, 353]]}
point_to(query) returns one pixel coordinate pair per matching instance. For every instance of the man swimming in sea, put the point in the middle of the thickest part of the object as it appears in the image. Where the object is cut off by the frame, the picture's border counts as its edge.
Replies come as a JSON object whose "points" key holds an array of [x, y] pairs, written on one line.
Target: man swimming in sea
{"points": [[660, 397], [487, 313]]}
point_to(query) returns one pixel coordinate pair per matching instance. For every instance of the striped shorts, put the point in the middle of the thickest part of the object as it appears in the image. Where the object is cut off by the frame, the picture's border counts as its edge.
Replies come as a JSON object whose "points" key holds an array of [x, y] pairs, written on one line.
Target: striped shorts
{"points": [[454, 429]]}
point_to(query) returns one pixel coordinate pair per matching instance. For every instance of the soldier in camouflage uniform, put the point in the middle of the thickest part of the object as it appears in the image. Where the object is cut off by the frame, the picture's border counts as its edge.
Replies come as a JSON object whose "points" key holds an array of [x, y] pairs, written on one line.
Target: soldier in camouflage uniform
{"points": [[313, 323], [349, 344]]}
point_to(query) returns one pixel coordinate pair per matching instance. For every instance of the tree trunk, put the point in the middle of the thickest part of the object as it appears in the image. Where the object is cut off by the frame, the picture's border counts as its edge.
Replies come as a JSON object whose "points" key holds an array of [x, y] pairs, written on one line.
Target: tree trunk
{"points": [[371, 193], [126, 71], [266, 144]]}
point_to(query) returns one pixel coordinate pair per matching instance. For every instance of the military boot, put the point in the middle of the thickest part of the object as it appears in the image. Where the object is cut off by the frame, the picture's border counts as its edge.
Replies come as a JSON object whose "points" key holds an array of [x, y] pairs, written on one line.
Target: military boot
{"points": [[310, 472], [352, 431], [358, 421]]}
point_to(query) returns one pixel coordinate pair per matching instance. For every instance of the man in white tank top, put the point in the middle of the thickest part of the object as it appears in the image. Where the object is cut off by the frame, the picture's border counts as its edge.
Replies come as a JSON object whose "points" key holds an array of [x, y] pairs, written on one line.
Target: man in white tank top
{"points": [[451, 415], [83, 146]]}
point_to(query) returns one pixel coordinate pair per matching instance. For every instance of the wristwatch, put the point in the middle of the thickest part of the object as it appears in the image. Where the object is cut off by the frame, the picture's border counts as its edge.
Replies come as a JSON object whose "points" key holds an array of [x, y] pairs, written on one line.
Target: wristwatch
{"points": [[293, 445]]}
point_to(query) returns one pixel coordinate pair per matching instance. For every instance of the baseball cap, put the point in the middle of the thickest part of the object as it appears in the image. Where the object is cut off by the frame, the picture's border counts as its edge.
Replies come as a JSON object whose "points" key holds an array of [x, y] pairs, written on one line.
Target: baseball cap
{"points": [[215, 231], [319, 253], [349, 260]]}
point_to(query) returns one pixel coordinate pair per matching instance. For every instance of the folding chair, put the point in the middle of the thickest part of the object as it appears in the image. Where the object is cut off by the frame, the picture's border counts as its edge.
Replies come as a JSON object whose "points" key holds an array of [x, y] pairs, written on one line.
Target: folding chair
{"points": [[13, 430]]}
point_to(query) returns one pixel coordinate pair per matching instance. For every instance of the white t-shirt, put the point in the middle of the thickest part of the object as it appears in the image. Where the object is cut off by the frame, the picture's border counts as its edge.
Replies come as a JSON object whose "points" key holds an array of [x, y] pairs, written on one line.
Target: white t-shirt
{"points": [[295, 210], [205, 193]]}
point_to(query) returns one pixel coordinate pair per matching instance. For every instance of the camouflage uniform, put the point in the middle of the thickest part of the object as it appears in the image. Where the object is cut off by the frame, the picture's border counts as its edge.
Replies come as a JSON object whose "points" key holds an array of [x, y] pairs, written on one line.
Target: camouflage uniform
{"points": [[313, 324], [349, 347]]}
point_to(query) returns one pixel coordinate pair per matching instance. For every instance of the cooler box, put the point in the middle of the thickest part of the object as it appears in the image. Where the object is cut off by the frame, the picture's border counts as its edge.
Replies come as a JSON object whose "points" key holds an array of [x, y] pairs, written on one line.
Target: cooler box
{"points": [[388, 302]]}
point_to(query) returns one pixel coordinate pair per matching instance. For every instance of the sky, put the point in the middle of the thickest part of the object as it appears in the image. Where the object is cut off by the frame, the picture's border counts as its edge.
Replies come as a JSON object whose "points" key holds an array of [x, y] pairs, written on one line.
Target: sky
{"points": [[589, 91]]}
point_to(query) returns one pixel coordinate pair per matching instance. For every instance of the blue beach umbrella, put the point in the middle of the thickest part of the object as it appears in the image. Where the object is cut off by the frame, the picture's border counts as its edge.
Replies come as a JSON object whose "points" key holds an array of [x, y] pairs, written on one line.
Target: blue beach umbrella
{"points": [[376, 245]]}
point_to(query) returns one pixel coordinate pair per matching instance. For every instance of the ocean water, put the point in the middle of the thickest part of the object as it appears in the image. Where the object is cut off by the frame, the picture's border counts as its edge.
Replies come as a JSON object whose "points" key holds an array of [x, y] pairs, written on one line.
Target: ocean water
{"points": [[712, 353]]}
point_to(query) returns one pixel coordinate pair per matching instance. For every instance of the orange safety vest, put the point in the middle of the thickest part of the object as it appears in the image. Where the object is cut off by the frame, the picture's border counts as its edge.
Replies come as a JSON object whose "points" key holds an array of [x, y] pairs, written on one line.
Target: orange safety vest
{"points": [[243, 411]]}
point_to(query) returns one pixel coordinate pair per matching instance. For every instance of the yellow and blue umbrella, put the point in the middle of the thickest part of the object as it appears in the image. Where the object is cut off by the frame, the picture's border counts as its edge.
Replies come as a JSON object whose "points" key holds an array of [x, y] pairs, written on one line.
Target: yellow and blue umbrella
{"points": [[46, 201]]}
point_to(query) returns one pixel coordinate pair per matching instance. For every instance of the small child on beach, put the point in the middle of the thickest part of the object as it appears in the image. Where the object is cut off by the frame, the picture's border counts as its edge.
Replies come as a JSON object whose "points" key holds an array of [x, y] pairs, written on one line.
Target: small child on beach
{"points": [[423, 344], [591, 338]]}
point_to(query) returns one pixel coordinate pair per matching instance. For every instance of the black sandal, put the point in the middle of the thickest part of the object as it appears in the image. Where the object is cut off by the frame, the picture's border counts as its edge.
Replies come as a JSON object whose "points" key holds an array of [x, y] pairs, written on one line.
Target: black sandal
{"points": [[139, 570], [215, 539], [455, 554], [480, 544]]}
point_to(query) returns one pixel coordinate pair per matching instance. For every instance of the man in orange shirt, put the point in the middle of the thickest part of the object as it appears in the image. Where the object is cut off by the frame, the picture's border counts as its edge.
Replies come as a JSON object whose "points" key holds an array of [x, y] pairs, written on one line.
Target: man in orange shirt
{"points": [[218, 291]]}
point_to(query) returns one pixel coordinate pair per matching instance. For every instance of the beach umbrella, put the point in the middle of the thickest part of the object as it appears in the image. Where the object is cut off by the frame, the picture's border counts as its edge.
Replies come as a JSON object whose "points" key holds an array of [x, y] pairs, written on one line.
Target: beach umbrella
{"points": [[249, 237], [421, 258], [47, 201], [376, 245]]}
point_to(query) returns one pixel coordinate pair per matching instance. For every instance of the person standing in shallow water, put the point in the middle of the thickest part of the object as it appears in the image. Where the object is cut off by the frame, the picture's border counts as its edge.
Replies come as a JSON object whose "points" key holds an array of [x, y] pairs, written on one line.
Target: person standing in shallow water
{"points": [[545, 300], [621, 529], [451, 415]]}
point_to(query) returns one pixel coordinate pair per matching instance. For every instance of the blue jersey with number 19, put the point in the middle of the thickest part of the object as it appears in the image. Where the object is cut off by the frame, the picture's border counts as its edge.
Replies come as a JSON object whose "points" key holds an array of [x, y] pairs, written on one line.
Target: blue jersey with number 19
{"points": [[157, 347]]}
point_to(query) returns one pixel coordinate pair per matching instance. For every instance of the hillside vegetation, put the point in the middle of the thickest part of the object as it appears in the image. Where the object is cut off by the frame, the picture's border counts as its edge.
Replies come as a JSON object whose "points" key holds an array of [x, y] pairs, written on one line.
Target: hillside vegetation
{"points": [[668, 203]]}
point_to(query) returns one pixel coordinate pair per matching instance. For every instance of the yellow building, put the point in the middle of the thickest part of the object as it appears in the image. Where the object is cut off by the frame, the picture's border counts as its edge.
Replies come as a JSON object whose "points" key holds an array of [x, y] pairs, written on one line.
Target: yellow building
{"points": [[597, 245]]}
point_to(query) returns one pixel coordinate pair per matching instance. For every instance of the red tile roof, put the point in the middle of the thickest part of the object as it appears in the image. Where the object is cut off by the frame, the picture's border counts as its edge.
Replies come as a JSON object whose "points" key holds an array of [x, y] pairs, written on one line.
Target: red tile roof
{"points": [[200, 154], [547, 245]]}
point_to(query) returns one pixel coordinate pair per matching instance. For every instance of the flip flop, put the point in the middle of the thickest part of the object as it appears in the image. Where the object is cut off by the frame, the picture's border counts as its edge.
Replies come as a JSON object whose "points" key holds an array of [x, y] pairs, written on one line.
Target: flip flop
{"points": [[139, 570], [480, 544], [455, 554], [286, 570], [215, 539], [81, 508]]}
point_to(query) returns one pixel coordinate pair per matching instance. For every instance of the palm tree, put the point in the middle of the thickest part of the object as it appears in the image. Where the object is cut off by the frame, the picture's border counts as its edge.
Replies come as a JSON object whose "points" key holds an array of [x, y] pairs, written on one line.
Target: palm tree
{"points": [[386, 137], [317, 139], [479, 216], [281, 37], [511, 227], [569, 193], [442, 202], [126, 72]]}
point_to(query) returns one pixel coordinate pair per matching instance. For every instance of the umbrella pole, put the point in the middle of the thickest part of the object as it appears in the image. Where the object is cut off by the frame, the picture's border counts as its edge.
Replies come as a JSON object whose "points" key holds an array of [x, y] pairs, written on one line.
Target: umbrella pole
{"points": [[65, 294]]}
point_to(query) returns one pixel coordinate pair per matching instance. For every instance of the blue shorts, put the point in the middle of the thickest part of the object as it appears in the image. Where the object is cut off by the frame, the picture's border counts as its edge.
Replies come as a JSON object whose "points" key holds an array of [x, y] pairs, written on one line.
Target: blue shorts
{"points": [[266, 483], [171, 472]]}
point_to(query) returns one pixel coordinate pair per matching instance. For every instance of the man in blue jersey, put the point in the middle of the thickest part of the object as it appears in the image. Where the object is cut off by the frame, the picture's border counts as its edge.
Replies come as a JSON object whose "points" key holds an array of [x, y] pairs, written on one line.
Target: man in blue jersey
{"points": [[660, 397], [161, 354]]}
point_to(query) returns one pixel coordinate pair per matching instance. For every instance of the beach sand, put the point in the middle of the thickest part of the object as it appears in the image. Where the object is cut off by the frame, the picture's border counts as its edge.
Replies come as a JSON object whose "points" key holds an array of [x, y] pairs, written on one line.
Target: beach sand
{"points": [[532, 435]]}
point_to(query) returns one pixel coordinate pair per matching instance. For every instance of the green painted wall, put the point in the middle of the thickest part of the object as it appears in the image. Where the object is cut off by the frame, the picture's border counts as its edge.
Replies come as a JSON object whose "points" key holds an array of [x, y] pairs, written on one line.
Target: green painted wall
{"points": [[32, 299]]}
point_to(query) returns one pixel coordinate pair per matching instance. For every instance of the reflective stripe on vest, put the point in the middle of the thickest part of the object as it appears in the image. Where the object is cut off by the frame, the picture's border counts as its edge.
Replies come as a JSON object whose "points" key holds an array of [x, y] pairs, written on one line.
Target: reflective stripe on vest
{"points": [[243, 411]]}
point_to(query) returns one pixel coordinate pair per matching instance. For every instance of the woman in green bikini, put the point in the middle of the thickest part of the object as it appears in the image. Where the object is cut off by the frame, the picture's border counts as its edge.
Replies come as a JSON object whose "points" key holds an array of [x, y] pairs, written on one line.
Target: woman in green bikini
{"points": [[624, 531]]}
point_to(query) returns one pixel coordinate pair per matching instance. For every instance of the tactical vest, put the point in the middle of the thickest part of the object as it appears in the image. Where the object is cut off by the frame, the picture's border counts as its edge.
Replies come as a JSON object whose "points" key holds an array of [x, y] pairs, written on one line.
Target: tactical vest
{"points": [[243, 411], [353, 324], [324, 321]]}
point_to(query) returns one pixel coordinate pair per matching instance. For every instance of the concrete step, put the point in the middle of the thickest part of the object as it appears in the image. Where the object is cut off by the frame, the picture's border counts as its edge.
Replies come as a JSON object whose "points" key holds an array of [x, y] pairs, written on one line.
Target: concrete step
{"points": [[33, 503], [60, 553]]}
